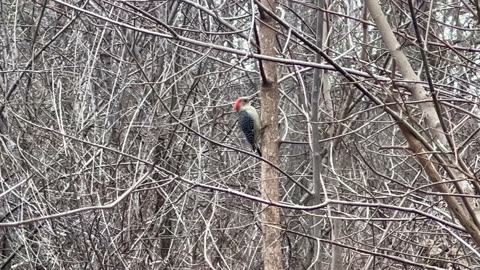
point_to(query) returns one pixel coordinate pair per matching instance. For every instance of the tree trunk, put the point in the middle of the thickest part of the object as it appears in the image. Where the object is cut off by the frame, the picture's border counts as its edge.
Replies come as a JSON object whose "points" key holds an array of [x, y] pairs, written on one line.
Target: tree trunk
{"points": [[318, 77], [463, 209], [270, 182]]}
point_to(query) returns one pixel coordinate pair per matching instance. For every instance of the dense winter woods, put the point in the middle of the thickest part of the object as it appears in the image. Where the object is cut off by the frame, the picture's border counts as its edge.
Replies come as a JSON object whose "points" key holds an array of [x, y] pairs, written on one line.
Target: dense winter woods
{"points": [[119, 146]]}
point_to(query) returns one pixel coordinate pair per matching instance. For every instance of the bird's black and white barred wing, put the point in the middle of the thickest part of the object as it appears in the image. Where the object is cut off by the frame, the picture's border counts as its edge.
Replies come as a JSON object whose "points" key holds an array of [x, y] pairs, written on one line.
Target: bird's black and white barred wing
{"points": [[247, 125]]}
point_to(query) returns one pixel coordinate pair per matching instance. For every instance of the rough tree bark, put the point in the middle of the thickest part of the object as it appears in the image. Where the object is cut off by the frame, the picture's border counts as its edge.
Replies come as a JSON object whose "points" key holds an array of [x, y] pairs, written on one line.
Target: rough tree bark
{"points": [[270, 182]]}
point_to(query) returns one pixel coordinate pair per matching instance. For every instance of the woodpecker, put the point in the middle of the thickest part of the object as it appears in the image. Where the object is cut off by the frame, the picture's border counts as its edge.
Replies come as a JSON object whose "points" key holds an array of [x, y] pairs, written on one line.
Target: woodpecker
{"points": [[249, 122]]}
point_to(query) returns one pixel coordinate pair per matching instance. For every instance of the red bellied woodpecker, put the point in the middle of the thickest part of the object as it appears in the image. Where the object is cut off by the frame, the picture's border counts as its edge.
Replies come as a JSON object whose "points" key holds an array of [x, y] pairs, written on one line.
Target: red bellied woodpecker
{"points": [[249, 122]]}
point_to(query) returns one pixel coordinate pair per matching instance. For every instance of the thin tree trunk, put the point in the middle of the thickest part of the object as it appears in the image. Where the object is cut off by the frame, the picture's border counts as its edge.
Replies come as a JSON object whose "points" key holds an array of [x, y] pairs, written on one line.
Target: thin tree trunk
{"points": [[318, 77], [463, 211], [270, 182]]}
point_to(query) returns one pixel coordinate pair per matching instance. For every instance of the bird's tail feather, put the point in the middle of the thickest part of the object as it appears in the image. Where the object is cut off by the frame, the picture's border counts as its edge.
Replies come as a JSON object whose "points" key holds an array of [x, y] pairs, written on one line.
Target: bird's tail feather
{"points": [[257, 149]]}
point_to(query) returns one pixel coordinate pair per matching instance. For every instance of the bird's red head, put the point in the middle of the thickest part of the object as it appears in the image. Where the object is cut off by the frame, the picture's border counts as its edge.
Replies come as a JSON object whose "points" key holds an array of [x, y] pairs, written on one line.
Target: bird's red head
{"points": [[236, 106], [239, 103]]}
